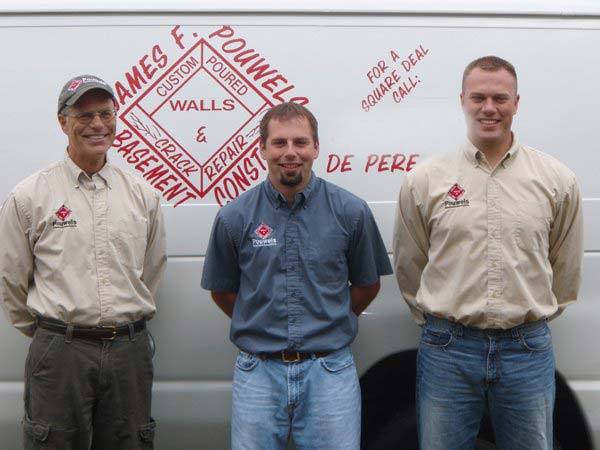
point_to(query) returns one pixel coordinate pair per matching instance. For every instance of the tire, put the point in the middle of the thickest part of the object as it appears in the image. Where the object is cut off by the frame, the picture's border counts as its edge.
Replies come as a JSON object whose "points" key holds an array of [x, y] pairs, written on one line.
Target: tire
{"points": [[400, 433]]}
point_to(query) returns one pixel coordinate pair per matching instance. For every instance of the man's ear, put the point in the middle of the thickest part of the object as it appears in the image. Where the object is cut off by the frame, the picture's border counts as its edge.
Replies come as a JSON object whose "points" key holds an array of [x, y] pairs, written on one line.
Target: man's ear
{"points": [[62, 120]]}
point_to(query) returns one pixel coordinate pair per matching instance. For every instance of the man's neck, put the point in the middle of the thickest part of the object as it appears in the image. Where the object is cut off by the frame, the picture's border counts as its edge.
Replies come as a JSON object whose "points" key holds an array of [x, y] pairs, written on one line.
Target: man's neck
{"points": [[89, 166], [494, 151]]}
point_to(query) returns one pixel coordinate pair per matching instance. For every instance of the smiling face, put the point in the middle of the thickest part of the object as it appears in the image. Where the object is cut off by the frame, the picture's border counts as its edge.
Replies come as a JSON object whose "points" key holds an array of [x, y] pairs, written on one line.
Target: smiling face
{"points": [[88, 143], [489, 101], [289, 150]]}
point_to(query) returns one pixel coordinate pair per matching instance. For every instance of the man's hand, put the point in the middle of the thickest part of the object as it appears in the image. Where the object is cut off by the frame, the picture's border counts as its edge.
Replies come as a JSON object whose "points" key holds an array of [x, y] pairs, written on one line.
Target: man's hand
{"points": [[362, 296], [225, 301]]}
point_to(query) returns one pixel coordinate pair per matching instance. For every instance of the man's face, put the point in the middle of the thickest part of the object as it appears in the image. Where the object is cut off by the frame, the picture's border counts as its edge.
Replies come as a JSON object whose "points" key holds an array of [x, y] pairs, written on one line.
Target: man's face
{"points": [[289, 151], [489, 101], [92, 140]]}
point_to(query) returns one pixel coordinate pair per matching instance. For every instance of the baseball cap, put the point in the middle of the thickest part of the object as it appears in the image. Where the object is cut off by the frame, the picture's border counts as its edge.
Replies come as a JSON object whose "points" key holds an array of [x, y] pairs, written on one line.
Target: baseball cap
{"points": [[77, 86]]}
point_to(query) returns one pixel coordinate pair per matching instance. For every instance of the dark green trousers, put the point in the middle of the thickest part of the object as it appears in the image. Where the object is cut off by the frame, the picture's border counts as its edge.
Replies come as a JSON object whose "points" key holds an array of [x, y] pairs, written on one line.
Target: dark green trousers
{"points": [[88, 394]]}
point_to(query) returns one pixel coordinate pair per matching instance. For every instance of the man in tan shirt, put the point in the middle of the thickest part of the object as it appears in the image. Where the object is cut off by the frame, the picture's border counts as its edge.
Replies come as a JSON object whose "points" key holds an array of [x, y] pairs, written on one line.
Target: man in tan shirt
{"points": [[487, 249], [81, 256]]}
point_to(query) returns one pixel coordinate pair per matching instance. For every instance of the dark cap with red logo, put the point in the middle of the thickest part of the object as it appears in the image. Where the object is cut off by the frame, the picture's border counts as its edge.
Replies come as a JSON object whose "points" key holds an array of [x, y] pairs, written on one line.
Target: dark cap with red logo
{"points": [[76, 87]]}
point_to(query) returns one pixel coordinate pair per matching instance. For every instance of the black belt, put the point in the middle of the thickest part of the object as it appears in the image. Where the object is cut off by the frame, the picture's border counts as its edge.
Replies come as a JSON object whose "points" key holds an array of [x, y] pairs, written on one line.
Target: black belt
{"points": [[289, 356], [88, 332]]}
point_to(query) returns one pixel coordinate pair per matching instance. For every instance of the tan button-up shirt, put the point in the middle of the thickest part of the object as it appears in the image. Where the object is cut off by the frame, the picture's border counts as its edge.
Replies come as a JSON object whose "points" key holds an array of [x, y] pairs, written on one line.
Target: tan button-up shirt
{"points": [[85, 250], [489, 248]]}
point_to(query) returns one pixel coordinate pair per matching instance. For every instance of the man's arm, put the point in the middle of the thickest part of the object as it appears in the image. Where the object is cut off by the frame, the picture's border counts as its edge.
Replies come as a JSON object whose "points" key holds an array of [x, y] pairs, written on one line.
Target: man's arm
{"points": [[225, 301], [221, 272], [566, 248], [362, 296], [155, 259], [16, 266], [410, 245]]}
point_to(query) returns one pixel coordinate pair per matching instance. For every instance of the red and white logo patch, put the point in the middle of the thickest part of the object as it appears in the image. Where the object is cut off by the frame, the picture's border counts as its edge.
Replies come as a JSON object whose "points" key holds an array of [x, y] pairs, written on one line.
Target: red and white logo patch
{"points": [[74, 85], [263, 231], [63, 213], [456, 191]]}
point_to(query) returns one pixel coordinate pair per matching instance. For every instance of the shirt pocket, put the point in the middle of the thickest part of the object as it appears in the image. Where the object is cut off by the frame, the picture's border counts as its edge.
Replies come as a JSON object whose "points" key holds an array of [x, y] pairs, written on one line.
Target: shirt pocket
{"points": [[130, 237], [327, 259], [532, 226]]}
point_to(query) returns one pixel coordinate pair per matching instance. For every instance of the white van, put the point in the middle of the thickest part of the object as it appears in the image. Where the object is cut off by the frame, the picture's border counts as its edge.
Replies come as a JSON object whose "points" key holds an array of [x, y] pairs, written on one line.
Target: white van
{"points": [[382, 78]]}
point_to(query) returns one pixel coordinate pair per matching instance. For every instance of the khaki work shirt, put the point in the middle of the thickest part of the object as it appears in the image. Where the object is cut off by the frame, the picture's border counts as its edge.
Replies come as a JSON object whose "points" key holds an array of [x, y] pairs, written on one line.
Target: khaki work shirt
{"points": [[489, 248], [84, 250]]}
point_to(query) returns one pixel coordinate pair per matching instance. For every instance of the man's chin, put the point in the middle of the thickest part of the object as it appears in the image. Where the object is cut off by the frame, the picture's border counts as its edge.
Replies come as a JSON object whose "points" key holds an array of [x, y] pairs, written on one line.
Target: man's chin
{"points": [[291, 181]]}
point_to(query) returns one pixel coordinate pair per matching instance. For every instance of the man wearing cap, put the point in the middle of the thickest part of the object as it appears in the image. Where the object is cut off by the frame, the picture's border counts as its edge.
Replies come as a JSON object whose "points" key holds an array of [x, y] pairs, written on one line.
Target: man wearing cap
{"points": [[488, 245], [81, 256], [293, 262]]}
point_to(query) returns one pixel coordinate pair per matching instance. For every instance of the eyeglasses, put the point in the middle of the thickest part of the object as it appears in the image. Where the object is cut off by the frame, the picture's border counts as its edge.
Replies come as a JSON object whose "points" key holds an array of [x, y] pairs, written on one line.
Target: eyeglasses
{"points": [[86, 118]]}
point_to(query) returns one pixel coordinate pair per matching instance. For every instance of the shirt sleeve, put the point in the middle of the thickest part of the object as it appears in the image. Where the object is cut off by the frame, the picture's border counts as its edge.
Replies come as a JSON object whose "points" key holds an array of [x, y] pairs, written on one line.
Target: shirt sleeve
{"points": [[368, 258], [566, 248], [221, 271], [410, 245], [16, 266], [155, 259]]}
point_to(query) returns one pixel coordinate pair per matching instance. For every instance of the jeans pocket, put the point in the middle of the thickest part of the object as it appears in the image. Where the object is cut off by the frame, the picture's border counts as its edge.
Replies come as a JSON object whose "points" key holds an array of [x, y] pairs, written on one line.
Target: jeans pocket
{"points": [[436, 338], [337, 361], [246, 361], [538, 340]]}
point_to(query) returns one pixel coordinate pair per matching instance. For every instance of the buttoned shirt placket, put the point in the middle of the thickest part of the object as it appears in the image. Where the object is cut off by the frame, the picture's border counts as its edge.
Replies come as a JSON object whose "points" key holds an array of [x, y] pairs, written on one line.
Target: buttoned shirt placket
{"points": [[495, 261], [293, 273], [96, 191]]}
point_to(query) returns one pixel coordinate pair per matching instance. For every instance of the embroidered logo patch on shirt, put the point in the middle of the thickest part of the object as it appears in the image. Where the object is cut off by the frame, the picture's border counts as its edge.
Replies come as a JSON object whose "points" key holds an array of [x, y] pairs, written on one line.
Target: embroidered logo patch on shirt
{"points": [[455, 193], [263, 231], [63, 213]]}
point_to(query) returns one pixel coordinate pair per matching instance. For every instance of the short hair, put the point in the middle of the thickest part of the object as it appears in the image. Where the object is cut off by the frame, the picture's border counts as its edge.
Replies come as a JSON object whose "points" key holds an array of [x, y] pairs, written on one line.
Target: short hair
{"points": [[490, 64], [287, 111]]}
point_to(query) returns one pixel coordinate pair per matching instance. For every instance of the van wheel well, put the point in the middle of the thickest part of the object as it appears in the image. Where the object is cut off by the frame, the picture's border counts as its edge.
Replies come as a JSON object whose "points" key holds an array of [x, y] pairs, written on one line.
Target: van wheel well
{"points": [[388, 406]]}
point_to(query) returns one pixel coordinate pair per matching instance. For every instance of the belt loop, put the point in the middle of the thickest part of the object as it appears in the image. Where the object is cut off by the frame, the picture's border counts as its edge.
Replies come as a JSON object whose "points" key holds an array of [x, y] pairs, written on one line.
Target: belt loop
{"points": [[458, 329], [131, 332], [69, 333], [516, 332]]}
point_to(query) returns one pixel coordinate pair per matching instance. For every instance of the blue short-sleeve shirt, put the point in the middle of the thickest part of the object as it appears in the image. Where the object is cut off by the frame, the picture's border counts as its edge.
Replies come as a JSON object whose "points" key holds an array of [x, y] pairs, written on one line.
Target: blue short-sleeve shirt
{"points": [[292, 266]]}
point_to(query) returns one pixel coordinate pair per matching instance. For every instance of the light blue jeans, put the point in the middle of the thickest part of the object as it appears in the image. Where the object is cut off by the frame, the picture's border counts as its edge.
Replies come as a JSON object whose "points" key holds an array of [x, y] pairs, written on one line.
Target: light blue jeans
{"points": [[462, 370], [315, 401]]}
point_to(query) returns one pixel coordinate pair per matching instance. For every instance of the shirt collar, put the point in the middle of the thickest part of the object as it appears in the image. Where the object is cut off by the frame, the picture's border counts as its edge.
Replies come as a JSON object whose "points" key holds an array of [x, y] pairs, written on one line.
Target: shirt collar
{"points": [[75, 172], [473, 154], [301, 198]]}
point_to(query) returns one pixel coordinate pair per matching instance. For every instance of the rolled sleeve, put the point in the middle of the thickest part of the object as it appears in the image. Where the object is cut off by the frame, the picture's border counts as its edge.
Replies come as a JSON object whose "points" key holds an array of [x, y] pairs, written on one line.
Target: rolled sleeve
{"points": [[368, 258], [16, 265], [221, 271], [566, 247]]}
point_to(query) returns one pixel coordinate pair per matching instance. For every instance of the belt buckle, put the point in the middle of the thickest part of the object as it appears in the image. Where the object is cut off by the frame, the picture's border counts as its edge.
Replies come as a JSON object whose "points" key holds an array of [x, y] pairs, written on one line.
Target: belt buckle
{"points": [[295, 359], [114, 332]]}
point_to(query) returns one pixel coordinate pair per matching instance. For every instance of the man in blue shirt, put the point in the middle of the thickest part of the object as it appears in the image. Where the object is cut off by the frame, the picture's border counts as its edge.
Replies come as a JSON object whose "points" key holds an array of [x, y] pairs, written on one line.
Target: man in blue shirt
{"points": [[293, 262]]}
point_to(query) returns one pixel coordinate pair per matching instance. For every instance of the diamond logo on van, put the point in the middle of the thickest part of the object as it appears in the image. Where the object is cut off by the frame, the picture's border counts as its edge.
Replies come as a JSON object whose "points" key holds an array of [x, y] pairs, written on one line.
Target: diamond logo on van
{"points": [[200, 117]]}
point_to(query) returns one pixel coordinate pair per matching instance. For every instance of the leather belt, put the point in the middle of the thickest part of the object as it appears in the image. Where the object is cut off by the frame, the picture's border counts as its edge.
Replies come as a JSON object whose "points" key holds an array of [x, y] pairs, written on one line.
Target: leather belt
{"points": [[290, 356], [89, 332]]}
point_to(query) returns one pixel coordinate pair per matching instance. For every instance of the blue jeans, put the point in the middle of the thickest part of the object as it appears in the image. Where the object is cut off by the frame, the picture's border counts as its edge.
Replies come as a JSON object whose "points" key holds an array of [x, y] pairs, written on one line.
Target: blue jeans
{"points": [[316, 401], [463, 370]]}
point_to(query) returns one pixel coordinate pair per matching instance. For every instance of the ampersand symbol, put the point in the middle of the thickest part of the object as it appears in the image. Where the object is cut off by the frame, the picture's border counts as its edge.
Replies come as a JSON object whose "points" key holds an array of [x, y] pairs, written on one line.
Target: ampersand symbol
{"points": [[201, 137]]}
